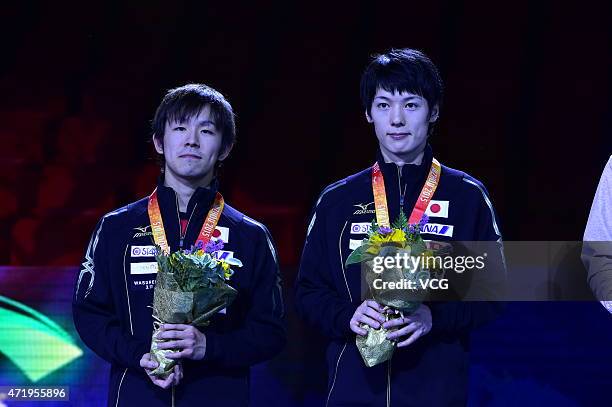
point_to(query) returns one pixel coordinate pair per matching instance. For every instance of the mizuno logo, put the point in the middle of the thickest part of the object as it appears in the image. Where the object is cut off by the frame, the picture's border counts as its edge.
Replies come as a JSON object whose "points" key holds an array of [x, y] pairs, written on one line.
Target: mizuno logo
{"points": [[363, 209], [143, 231]]}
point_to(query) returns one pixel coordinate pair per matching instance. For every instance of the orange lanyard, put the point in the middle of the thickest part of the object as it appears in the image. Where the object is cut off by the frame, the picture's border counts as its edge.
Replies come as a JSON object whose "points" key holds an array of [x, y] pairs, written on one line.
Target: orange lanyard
{"points": [[157, 225], [380, 196]]}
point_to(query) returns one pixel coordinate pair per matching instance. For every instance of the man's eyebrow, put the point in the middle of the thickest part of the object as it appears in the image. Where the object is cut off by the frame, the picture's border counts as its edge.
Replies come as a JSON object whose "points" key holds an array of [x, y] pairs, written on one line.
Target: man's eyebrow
{"points": [[206, 123], [403, 99]]}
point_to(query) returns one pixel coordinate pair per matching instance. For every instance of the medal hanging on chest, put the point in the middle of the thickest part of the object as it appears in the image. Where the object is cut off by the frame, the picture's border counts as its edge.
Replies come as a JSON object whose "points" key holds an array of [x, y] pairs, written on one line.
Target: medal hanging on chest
{"points": [[157, 224], [380, 195]]}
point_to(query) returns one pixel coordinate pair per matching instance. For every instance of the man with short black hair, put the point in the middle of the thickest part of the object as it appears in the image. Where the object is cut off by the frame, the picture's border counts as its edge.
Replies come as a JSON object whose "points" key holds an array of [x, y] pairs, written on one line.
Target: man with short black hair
{"points": [[401, 91], [193, 132]]}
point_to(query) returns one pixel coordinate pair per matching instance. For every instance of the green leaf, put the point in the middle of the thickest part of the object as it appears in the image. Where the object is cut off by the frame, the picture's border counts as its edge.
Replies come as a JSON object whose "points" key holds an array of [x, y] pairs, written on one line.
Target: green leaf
{"points": [[373, 228], [356, 256], [401, 222]]}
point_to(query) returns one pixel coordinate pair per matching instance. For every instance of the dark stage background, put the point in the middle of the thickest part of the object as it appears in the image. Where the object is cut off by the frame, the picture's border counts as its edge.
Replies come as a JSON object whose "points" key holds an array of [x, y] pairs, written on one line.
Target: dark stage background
{"points": [[526, 111]]}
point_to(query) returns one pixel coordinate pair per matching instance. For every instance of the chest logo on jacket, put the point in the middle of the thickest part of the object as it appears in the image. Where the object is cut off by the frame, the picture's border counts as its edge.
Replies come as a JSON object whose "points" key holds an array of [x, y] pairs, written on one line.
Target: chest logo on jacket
{"points": [[143, 231], [437, 209], [149, 267], [360, 228], [438, 229], [143, 251], [364, 209], [221, 232]]}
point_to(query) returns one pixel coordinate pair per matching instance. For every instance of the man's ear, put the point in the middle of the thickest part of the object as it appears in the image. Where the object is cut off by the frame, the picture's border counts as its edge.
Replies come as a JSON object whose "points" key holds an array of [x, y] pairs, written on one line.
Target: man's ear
{"points": [[435, 111], [159, 147], [368, 117], [225, 152]]}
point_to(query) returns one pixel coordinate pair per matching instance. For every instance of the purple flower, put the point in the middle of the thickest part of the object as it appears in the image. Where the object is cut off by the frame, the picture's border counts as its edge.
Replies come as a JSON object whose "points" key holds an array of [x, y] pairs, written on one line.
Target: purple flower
{"points": [[424, 221], [212, 247], [383, 230], [199, 244]]}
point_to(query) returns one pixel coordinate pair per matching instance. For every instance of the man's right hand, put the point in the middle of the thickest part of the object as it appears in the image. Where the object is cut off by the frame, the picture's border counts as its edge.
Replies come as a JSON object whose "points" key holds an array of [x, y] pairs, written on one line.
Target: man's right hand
{"points": [[149, 365], [369, 313]]}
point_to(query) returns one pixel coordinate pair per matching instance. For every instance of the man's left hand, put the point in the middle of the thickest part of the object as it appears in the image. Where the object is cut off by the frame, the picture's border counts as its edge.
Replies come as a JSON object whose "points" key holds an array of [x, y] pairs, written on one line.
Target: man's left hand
{"points": [[187, 339], [415, 325]]}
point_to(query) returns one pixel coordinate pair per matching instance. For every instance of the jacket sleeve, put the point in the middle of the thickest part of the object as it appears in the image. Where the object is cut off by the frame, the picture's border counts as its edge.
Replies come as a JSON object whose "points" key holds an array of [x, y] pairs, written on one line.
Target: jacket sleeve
{"points": [[460, 317], [597, 246], [263, 334], [93, 311], [316, 298]]}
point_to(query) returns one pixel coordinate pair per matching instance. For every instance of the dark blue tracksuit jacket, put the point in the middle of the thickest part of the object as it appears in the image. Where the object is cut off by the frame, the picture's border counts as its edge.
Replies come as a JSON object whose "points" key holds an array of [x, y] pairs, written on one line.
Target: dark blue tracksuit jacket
{"points": [[433, 371], [114, 290]]}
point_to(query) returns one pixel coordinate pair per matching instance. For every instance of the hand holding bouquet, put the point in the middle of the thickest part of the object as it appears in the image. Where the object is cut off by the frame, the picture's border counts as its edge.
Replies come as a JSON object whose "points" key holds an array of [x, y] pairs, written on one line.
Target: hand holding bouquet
{"points": [[401, 240], [191, 287]]}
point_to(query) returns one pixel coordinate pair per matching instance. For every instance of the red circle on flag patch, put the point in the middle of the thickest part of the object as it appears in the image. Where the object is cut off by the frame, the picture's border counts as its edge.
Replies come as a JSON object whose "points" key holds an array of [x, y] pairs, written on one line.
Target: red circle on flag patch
{"points": [[216, 233], [435, 208]]}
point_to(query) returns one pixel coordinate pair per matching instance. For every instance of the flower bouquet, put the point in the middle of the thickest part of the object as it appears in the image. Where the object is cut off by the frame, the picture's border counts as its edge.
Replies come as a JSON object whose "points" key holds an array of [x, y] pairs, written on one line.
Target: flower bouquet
{"points": [[403, 240], [191, 287]]}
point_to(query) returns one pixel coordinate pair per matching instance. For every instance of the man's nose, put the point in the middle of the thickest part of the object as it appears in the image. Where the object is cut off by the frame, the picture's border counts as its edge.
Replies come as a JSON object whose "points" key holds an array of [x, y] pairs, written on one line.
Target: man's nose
{"points": [[397, 117], [191, 138]]}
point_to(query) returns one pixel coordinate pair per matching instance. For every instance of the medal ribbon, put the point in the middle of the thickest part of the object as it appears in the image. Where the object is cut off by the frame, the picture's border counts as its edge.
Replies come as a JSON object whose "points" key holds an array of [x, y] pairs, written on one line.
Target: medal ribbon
{"points": [[157, 225], [380, 197]]}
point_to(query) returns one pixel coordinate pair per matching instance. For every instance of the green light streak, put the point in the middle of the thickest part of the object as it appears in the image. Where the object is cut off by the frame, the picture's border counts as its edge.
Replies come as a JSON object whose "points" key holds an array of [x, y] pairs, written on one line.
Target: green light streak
{"points": [[33, 342]]}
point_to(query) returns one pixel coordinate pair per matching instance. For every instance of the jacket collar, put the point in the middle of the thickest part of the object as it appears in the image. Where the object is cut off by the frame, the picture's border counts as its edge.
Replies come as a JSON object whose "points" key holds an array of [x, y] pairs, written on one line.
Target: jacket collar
{"points": [[197, 208], [202, 196], [406, 181], [408, 169]]}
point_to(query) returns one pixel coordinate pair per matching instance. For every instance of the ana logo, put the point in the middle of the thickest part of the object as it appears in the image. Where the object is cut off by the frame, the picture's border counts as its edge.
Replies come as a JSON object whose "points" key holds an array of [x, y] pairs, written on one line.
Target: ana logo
{"points": [[437, 209], [143, 251], [143, 231], [360, 228], [363, 209], [437, 229]]}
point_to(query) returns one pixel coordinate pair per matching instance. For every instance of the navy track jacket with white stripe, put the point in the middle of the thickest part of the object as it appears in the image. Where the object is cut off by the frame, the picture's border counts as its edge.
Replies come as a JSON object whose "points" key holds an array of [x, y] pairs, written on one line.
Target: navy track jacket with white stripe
{"points": [[114, 292], [433, 371]]}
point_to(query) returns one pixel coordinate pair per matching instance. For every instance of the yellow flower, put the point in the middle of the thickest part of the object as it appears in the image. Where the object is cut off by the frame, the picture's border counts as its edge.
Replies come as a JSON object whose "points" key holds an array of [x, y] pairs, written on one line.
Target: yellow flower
{"points": [[225, 266], [397, 236]]}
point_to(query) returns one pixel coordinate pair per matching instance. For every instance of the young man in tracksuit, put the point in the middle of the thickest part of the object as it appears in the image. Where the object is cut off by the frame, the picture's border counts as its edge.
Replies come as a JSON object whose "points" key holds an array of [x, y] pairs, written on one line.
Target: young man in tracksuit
{"points": [[193, 131], [401, 92]]}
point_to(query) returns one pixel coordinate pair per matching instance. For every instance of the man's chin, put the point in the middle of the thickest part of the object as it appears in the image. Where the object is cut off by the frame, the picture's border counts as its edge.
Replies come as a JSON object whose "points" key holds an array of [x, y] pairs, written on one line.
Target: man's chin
{"points": [[404, 150], [191, 176]]}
